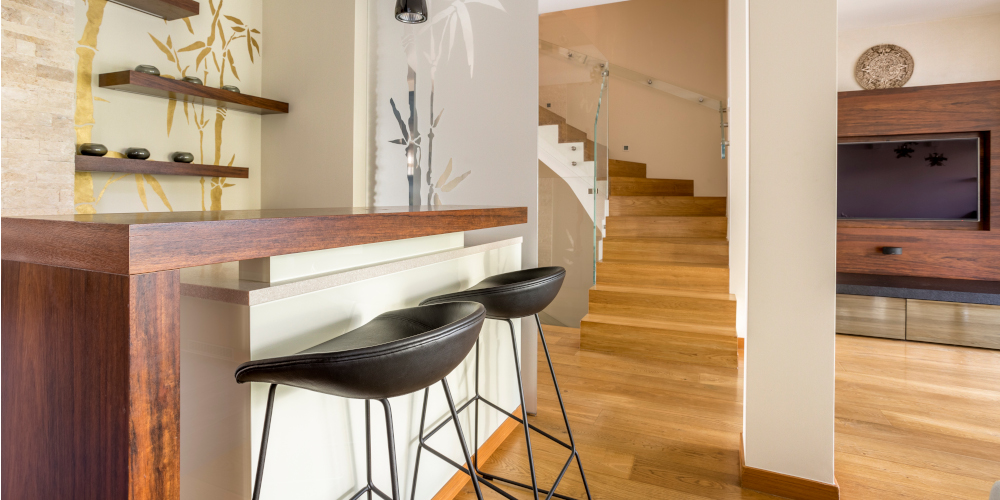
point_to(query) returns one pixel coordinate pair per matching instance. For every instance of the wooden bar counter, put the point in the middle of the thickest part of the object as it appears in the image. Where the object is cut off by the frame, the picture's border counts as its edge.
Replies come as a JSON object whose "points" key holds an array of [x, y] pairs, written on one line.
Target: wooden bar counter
{"points": [[91, 331]]}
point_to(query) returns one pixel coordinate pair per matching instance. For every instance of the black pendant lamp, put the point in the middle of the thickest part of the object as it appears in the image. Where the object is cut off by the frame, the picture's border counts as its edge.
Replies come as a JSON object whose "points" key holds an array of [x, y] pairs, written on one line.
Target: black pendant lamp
{"points": [[411, 11]]}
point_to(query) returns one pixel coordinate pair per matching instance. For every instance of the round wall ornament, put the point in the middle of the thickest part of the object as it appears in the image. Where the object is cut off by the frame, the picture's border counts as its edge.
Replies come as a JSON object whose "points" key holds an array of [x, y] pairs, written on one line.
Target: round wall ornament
{"points": [[885, 66]]}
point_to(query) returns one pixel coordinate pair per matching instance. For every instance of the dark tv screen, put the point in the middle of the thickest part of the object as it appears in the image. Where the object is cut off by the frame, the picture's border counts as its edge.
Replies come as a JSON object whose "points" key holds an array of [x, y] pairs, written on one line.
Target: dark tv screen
{"points": [[936, 179]]}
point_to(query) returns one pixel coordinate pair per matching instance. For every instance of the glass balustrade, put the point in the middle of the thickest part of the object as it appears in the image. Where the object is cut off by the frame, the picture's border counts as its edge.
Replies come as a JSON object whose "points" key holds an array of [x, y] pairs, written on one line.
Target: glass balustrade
{"points": [[572, 164]]}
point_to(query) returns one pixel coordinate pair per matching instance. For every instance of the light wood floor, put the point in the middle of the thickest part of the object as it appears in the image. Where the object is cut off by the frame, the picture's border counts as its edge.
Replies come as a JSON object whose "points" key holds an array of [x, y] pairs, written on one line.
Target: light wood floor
{"points": [[914, 421]]}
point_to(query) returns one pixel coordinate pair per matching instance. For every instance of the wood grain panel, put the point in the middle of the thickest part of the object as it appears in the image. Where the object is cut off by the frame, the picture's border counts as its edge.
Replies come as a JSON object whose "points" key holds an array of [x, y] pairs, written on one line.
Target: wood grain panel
{"points": [[91, 397], [960, 107], [666, 227], [934, 254], [149, 242], [127, 165], [668, 206], [154, 385], [622, 168], [681, 276], [695, 250], [634, 186], [169, 88], [784, 485], [935, 109], [883, 317], [974, 325]]}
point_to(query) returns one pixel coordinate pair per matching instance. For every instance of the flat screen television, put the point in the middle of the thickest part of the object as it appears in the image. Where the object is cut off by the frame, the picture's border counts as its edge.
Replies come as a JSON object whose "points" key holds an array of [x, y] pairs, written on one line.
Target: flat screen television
{"points": [[931, 178]]}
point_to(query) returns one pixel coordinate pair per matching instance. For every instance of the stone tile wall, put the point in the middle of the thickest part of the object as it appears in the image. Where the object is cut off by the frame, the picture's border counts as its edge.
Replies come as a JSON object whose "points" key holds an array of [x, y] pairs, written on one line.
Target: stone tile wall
{"points": [[36, 126]]}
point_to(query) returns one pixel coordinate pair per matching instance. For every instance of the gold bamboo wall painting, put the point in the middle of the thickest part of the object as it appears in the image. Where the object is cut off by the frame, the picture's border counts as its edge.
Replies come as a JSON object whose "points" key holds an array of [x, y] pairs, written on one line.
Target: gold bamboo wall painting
{"points": [[221, 46]]}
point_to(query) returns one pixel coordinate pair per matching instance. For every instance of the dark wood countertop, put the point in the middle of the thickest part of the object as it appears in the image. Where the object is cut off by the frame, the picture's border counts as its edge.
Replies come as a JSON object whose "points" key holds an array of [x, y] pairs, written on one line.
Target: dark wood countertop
{"points": [[138, 243]]}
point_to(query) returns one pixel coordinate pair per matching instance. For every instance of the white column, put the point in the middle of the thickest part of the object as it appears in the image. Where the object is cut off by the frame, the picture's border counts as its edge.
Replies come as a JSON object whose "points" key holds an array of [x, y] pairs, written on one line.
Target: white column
{"points": [[790, 359], [738, 156]]}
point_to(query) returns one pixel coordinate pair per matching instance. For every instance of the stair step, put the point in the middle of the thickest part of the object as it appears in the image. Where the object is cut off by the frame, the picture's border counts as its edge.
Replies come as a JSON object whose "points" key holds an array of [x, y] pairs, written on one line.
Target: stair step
{"points": [[668, 206], [674, 275], [622, 168], [654, 290], [725, 332], [567, 132], [661, 340], [695, 250], [666, 227], [634, 186], [679, 306]]}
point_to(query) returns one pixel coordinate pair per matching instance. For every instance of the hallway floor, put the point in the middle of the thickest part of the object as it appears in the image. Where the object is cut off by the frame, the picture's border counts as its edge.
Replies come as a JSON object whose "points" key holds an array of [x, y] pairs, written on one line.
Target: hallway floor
{"points": [[914, 421]]}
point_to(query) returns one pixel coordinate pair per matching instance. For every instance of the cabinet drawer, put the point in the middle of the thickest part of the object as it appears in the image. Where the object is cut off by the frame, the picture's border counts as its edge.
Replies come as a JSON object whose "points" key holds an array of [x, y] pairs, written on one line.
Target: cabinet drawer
{"points": [[883, 317], [974, 325]]}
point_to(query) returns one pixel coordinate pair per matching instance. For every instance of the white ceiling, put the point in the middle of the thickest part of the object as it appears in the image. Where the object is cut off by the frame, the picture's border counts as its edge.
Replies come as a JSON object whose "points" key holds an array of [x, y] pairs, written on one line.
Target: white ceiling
{"points": [[546, 6], [858, 14]]}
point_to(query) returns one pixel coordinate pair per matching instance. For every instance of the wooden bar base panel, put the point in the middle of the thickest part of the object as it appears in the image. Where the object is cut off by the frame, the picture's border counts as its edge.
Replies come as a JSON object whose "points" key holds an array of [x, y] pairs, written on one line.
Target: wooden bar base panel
{"points": [[91, 392], [91, 331]]}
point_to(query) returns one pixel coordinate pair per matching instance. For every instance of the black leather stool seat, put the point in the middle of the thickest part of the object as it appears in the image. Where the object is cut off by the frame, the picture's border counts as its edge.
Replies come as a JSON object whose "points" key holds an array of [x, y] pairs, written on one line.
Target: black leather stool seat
{"points": [[396, 353], [515, 294]]}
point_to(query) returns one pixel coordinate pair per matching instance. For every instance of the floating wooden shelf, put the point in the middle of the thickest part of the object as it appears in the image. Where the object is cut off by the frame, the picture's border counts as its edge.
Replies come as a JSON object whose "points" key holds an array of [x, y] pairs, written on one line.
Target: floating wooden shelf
{"points": [[130, 166], [168, 88], [167, 9]]}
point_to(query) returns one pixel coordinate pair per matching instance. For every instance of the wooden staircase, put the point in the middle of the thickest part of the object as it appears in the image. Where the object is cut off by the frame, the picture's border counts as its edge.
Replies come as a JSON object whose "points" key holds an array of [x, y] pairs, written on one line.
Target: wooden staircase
{"points": [[662, 287], [567, 133]]}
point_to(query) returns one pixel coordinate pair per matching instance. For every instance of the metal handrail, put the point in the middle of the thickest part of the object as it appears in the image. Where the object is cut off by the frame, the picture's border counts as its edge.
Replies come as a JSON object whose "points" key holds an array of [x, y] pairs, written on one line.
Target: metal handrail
{"points": [[615, 70]]}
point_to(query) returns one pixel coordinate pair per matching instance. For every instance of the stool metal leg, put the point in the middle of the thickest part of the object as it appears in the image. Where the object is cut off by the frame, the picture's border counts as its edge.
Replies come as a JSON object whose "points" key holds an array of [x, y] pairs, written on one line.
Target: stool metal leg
{"points": [[475, 421], [368, 446], [390, 436], [461, 439], [574, 452], [420, 447], [263, 441], [524, 411]]}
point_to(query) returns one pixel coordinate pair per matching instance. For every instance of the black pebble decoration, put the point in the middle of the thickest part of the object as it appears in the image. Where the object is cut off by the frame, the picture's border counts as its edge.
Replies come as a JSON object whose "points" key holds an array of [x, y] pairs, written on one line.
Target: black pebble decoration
{"points": [[93, 149], [183, 157], [231, 88], [193, 79], [137, 153], [147, 69]]}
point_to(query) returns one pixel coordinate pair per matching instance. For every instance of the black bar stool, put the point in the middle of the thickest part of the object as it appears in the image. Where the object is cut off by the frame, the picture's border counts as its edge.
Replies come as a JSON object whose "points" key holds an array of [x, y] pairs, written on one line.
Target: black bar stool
{"points": [[507, 296], [397, 353]]}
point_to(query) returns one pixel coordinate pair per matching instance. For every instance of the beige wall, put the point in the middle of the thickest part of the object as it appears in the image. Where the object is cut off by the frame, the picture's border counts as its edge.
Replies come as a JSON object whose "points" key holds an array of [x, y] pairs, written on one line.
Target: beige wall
{"points": [[308, 154], [37, 107], [790, 349], [679, 42], [957, 50]]}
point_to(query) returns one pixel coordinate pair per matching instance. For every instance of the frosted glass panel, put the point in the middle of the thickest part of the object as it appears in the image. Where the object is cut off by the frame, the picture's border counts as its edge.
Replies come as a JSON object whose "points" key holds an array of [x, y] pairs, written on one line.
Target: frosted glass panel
{"points": [[439, 104]]}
